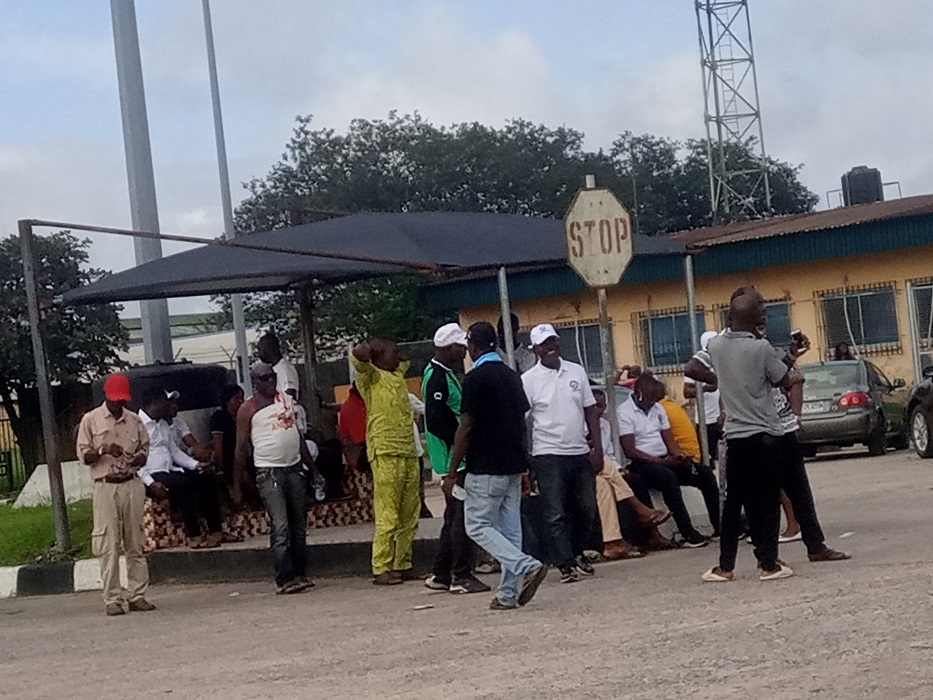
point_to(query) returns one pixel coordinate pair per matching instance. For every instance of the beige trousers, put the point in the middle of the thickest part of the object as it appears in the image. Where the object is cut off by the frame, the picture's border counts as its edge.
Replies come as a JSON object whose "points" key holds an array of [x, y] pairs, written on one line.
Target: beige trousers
{"points": [[611, 488], [118, 527]]}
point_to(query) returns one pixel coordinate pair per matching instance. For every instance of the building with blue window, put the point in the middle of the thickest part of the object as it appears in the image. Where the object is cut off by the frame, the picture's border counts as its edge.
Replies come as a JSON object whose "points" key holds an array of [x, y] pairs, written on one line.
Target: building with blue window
{"points": [[862, 275]]}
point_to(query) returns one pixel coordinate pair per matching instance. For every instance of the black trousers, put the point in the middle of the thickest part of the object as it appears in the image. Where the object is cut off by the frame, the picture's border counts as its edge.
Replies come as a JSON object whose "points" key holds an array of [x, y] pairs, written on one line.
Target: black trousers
{"points": [[754, 467], [713, 436], [796, 485], [668, 481], [194, 494], [456, 552]]}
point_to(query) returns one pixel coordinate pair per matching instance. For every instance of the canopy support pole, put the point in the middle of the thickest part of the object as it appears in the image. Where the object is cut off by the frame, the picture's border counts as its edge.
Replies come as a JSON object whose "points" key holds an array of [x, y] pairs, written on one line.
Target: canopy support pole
{"points": [[695, 344], [46, 406], [505, 310], [312, 401]]}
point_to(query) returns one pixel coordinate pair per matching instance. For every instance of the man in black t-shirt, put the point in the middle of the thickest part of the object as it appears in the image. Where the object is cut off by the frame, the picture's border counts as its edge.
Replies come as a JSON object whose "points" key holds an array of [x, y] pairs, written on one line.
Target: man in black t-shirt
{"points": [[491, 437]]}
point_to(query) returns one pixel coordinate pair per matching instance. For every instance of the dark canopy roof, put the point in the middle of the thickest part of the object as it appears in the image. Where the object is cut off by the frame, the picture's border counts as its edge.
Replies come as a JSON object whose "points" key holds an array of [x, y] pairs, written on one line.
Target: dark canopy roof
{"points": [[458, 241]]}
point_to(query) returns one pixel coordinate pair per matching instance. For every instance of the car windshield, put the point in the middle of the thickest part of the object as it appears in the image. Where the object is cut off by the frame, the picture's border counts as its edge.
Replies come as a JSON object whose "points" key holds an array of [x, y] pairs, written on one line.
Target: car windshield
{"points": [[831, 375]]}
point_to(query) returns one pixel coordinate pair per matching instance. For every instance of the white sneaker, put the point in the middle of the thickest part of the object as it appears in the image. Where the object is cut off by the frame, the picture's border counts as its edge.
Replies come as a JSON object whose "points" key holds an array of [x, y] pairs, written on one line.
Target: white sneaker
{"points": [[435, 585]]}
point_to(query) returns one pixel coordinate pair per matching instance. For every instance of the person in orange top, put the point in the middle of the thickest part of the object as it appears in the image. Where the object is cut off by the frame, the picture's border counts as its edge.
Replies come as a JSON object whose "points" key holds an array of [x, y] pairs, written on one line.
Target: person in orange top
{"points": [[685, 432], [352, 429]]}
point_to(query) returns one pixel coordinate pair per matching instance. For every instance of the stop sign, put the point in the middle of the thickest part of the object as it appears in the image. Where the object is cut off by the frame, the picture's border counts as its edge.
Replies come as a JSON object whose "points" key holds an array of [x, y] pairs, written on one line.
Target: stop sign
{"points": [[599, 237]]}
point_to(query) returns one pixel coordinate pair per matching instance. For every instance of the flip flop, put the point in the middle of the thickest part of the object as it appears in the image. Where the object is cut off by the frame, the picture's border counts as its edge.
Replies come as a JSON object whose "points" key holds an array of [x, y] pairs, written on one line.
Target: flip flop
{"points": [[783, 572], [784, 539], [712, 577]]}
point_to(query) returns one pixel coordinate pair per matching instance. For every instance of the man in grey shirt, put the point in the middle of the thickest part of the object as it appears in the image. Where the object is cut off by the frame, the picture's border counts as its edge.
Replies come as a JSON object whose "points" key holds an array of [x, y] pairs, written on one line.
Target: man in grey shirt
{"points": [[748, 367]]}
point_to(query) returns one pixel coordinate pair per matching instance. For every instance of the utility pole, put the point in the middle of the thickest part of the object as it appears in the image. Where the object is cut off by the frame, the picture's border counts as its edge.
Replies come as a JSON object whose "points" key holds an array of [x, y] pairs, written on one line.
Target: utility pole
{"points": [[144, 212], [236, 300]]}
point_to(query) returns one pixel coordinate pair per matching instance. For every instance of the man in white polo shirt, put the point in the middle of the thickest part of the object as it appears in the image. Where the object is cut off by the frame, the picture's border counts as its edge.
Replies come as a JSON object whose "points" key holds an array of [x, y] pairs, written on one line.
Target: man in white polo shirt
{"points": [[563, 461]]}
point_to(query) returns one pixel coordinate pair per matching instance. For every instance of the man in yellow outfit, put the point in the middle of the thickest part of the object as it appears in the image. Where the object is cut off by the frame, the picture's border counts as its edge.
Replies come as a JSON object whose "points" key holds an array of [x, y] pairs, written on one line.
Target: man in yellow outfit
{"points": [[390, 446]]}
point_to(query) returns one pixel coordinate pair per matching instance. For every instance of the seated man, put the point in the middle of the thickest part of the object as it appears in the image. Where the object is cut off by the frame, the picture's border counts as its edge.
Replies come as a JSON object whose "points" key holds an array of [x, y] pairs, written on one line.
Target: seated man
{"points": [[171, 474], [182, 434], [612, 492], [656, 457], [701, 475]]}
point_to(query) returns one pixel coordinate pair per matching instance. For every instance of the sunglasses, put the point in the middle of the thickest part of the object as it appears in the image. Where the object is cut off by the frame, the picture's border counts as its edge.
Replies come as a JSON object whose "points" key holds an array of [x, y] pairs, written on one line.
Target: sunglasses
{"points": [[265, 377]]}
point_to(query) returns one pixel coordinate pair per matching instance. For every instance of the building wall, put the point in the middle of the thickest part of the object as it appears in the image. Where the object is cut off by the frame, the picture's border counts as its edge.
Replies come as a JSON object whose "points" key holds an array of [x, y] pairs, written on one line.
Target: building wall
{"points": [[799, 283]]}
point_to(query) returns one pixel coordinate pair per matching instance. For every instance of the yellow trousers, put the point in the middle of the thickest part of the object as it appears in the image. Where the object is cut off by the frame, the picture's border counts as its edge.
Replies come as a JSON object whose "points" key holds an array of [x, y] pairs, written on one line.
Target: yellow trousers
{"points": [[611, 488], [397, 505], [118, 526]]}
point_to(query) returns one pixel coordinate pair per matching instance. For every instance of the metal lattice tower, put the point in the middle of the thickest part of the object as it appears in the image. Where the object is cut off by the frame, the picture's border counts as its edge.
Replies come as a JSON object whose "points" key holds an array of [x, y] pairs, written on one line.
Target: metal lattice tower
{"points": [[732, 115]]}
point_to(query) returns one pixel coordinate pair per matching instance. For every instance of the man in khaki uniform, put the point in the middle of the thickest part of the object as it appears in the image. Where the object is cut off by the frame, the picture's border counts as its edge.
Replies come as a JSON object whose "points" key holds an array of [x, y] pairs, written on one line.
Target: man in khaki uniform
{"points": [[113, 442]]}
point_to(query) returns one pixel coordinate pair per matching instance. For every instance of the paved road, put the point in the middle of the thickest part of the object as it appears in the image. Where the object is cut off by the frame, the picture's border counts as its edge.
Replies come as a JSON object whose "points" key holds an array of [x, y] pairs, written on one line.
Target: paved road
{"points": [[643, 629]]}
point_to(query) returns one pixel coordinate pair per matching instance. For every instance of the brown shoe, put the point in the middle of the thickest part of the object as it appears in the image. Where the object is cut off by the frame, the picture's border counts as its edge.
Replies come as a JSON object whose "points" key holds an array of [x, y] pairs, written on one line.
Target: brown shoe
{"points": [[114, 609], [387, 578], [141, 605], [408, 575], [827, 554], [620, 549]]}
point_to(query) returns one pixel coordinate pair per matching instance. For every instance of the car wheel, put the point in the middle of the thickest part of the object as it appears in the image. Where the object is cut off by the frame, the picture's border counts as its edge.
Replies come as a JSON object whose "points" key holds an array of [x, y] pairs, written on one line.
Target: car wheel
{"points": [[877, 440], [920, 428]]}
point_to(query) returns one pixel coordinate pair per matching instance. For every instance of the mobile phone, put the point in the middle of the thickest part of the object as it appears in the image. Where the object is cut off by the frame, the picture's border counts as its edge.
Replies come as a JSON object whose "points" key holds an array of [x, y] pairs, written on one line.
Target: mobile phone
{"points": [[797, 335]]}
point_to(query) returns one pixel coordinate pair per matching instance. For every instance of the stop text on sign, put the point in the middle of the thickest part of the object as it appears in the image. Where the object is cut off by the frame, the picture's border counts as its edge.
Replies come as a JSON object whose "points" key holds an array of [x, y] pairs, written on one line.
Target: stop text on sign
{"points": [[597, 236]]}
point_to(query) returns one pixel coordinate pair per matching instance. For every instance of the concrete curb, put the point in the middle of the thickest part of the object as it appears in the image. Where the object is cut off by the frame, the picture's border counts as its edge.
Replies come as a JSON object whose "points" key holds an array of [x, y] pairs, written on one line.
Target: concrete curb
{"points": [[327, 560]]}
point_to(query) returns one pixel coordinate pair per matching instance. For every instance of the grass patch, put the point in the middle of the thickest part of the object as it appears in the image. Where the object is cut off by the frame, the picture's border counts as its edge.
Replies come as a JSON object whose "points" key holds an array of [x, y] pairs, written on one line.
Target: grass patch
{"points": [[27, 534]]}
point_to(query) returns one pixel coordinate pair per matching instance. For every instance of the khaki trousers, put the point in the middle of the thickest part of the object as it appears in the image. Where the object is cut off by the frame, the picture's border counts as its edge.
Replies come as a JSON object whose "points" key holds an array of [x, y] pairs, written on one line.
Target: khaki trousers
{"points": [[611, 488], [118, 527]]}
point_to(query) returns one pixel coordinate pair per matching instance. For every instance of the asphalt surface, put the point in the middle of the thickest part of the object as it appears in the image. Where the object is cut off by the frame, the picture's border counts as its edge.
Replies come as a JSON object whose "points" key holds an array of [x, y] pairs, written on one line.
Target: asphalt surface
{"points": [[639, 629]]}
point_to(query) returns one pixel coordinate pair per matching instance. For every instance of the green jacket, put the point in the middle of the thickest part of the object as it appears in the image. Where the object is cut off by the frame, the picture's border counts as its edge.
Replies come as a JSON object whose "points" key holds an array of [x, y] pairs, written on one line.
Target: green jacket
{"points": [[441, 392]]}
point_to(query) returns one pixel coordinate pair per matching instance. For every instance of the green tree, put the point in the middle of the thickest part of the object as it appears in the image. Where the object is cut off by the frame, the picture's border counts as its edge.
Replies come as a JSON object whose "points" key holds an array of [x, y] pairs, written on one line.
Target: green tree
{"points": [[404, 163], [82, 342]]}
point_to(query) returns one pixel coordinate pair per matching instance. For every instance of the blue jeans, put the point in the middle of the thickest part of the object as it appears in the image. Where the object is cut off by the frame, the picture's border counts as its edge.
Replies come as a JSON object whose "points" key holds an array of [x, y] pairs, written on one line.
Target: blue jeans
{"points": [[568, 497], [284, 493], [493, 515]]}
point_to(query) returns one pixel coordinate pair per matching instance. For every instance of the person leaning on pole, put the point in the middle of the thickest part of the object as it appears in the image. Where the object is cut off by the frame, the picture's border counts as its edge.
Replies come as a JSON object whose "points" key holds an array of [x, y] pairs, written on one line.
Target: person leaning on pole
{"points": [[113, 442]]}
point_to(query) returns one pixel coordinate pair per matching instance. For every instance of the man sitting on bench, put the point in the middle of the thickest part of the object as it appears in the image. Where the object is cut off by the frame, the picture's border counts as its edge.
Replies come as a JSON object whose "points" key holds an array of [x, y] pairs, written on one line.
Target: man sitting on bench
{"points": [[171, 474]]}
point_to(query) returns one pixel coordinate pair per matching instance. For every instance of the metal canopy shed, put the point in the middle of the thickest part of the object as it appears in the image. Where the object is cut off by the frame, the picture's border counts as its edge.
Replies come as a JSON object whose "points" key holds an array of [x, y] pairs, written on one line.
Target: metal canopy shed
{"points": [[358, 246]]}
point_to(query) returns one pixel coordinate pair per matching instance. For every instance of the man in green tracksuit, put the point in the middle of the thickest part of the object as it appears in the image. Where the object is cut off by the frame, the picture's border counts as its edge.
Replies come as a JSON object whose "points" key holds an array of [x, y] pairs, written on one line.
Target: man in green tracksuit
{"points": [[440, 388]]}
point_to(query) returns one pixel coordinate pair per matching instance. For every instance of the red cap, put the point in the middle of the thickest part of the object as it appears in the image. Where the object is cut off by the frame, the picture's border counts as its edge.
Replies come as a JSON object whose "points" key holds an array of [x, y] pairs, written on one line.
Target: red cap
{"points": [[117, 387]]}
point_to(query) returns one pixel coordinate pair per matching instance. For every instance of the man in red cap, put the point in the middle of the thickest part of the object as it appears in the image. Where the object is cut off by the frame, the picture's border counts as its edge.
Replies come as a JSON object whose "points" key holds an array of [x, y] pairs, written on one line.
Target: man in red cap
{"points": [[114, 443]]}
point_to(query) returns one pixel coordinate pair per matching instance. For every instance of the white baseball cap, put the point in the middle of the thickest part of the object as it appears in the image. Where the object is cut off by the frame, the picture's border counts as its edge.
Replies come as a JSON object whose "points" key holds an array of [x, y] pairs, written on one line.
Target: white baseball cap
{"points": [[450, 334], [542, 332], [706, 337]]}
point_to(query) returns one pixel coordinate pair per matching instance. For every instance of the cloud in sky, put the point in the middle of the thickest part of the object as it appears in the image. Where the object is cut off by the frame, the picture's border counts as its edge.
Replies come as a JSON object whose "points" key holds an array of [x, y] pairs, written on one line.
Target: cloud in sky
{"points": [[842, 82]]}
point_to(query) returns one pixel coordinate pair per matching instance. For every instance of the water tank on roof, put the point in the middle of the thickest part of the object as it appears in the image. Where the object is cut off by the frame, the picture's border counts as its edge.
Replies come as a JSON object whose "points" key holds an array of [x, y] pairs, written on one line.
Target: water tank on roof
{"points": [[199, 387], [862, 185]]}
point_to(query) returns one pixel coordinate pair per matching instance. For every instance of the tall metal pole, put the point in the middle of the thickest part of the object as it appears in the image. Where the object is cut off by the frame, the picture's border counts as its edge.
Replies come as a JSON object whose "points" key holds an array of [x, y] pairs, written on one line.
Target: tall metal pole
{"points": [[236, 300], [505, 310], [311, 402], [695, 344], [157, 337], [609, 368], [46, 407]]}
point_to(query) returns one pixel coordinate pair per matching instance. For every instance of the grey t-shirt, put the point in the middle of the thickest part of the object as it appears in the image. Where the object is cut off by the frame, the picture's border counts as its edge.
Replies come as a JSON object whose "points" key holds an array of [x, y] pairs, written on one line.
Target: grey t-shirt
{"points": [[748, 368]]}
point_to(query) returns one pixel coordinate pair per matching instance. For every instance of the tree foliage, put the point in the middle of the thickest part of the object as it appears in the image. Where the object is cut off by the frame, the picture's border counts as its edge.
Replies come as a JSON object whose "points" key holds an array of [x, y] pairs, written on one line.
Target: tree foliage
{"points": [[82, 342], [404, 163]]}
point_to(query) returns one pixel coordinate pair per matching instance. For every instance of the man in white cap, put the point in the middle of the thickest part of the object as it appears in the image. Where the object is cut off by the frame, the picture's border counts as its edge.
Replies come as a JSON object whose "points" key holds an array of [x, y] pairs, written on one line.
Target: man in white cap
{"points": [[442, 392], [563, 460], [711, 408]]}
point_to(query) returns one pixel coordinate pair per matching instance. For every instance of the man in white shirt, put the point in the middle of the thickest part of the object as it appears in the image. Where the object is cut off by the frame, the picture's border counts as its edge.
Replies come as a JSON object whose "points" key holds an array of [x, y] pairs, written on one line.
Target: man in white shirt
{"points": [[170, 473], [564, 463], [286, 376]]}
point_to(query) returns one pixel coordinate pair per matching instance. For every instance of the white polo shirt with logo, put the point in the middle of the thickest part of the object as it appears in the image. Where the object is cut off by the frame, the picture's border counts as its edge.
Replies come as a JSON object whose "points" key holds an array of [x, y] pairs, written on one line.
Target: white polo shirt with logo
{"points": [[557, 398], [646, 427]]}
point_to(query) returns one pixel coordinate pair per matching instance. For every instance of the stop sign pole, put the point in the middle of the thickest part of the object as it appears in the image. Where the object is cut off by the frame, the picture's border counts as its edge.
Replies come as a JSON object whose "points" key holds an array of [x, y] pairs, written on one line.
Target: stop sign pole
{"points": [[598, 231]]}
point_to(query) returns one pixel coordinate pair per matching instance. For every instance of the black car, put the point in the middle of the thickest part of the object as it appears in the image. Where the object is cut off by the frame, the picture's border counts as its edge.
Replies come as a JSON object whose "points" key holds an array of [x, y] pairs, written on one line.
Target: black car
{"points": [[920, 414], [851, 401]]}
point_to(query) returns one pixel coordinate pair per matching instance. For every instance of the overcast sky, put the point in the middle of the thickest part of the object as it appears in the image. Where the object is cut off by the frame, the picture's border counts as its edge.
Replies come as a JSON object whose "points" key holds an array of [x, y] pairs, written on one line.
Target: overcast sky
{"points": [[842, 83]]}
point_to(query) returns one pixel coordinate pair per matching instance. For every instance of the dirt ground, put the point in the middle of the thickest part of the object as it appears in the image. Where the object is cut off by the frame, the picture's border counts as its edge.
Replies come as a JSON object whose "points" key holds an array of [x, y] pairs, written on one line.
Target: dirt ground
{"points": [[639, 629]]}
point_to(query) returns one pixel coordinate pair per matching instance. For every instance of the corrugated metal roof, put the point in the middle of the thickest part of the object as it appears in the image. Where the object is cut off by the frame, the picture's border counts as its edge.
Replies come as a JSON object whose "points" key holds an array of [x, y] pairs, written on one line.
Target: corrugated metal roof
{"points": [[802, 223]]}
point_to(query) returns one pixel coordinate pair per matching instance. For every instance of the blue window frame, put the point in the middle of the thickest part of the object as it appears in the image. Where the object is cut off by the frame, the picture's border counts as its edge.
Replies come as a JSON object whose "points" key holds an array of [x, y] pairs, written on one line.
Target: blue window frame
{"points": [[667, 338], [580, 343]]}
